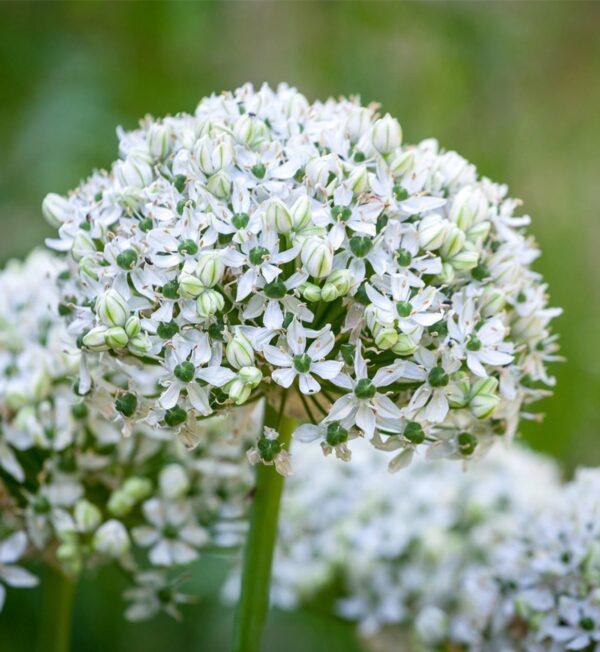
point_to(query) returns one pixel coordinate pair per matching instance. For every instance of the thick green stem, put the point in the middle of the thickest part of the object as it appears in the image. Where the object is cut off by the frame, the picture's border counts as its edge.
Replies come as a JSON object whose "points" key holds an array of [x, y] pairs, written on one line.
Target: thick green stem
{"points": [[57, 610], [260, 544]]}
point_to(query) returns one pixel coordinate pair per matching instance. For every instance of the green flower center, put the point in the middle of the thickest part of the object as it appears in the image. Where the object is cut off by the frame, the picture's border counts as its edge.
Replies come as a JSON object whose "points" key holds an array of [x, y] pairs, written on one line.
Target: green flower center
{"points": [[336, 434], [413, 432], [467, 443], [404, 257], [268, 448], [360, 245], [365, 389], [240, 220], [257, 255], [404, 308], [167, 329], [275, 289], [171, 289], [185, 371], [258, 170], [438, 377], [126, 404], [302, 362], [170, 532], [188, 247], [341, 213], [474, 343], [175, 416], [127, 259]]}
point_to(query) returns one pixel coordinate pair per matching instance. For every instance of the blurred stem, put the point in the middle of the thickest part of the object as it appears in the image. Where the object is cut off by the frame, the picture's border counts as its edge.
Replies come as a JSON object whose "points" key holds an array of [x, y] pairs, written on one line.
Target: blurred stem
{"points": [[258, 558], [58, 592]]}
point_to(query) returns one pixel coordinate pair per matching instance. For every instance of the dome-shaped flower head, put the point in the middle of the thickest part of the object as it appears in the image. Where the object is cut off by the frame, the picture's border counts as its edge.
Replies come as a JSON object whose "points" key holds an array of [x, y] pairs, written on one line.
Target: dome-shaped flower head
{"points": [[75, 492], [269, 247]]}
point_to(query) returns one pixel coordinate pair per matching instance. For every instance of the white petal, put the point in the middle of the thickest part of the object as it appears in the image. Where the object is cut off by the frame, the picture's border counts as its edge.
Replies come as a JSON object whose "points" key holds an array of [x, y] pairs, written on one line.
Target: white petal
{"points": [[307, 432], [277, 356], [273, 317], [344, 406], [245, 284], [284, 377], [215, 376], [437, 408], [322, 346], [18, 577], [296, 337], [365, 419], [198, 397], [327, 369], [169, 397], [308, 385], [12, 547]]}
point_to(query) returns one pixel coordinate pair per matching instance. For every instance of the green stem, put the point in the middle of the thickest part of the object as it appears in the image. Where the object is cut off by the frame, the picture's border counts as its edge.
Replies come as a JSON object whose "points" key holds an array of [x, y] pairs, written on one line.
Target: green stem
{"points": [[57, 610], [256, 575]]}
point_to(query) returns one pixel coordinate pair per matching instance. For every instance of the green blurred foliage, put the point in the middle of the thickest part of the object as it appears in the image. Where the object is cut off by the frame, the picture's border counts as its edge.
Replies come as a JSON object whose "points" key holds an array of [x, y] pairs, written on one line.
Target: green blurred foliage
{"points": [[514, 87]]}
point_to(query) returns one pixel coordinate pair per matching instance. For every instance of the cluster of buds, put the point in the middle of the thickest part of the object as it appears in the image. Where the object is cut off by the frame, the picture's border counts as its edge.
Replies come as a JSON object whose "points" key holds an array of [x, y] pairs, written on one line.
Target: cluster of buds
{"points": [[269, 247], [504, 557], [75, 492]]}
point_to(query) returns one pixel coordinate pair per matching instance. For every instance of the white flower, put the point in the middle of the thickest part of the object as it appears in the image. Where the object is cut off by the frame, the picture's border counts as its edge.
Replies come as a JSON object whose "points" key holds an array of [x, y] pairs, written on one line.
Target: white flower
{"points": [[173, 534], [303, 362]]}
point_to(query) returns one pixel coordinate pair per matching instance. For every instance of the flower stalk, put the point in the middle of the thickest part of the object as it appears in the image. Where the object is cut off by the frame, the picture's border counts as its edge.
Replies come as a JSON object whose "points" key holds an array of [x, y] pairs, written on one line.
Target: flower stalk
{"points": [[258, 557], [57, 612]]}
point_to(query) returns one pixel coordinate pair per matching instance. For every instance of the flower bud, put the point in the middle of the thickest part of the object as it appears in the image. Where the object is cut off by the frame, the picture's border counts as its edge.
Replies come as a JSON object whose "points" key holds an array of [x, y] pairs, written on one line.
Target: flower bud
{"points": [[385, 336], [159, 141], [210, 269], [465, 260], [87, 516], [173, 481], [213, 156], [219, 185], [238, 392], [95, 339], [251, 376], [239, 351], [112, 309], [318, 170], [120, 504], [301, 212], [484, 405], [469, 206], [111, 539], [432, 231], [358, 122], [116, 337], [133, 326], [140, 344], [458, 391], [137, 488], [447, 275], [455, 240], [359, 180], [134, 172], [405, 345], [278, 217], [485, 386], [311, 292], [386, 134], [342, 280], [56, 209], [89, 267], [492, 301], [479, 231], [402, 163], [317, 257], [190, 286], [82, 245], [329, 293], [249, 130], [209, 303]]}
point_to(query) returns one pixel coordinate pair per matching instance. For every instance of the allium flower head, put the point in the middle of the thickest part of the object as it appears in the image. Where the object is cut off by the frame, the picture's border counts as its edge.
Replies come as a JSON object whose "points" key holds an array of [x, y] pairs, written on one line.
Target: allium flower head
{"points": [[73, 491], [266, 245]]}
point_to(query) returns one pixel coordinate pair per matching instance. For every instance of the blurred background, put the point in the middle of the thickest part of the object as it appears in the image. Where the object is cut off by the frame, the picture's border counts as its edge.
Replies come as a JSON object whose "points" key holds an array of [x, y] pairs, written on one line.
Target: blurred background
{"points": [[514, 87]]}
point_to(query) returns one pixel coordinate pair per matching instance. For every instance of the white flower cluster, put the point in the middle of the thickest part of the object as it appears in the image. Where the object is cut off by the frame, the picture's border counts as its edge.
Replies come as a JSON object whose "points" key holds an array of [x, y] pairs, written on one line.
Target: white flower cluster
{"points": [[265, 244], [76, 493], [502, 558]]}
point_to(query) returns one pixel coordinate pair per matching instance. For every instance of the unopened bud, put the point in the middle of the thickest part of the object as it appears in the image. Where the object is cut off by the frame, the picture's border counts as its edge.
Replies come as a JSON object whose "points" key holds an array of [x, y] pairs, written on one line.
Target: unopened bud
{"points": [[301, 212], [455, 240], [432, 231], [250, 376], [133, 326], [359, 180], [134, 172], [469, 206], [219, 185], [249, 130], [87, 516], [492, 301], [209, 303], [56, 209], [239, 351], [116, 337], [278, 217], [111, 539], [405, 345], [311, 292], [403, 163], [210, 269], [95, 339], [190, 287], [317, 257], [173, 481], [112, 308], [239, 392], [386, 135], [82, 245], [159, 141], [358, 122], [465, 260], [140, 344]]}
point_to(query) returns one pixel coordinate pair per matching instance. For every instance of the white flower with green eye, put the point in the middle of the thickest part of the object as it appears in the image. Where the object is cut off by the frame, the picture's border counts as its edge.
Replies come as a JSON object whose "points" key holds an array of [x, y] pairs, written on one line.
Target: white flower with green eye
{"points": [[302, 362]]}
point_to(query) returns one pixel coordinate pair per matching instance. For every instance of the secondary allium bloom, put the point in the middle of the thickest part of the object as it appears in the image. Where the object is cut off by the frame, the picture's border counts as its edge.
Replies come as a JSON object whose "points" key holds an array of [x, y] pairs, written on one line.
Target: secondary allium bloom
{"points": [[224, 248], [75, 492], [420, 550]]}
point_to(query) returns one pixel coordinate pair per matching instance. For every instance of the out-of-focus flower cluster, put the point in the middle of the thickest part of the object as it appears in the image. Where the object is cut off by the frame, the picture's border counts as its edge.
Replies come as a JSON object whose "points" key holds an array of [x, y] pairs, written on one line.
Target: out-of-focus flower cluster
{"points": [[265, 243], [77, 494], [501, 557]]}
